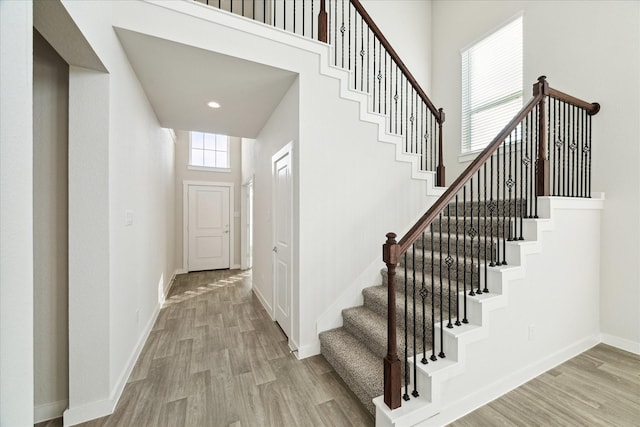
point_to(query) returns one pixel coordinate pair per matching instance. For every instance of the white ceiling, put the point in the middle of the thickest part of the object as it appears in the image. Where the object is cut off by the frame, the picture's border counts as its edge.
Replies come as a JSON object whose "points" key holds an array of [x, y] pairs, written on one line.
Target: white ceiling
{"points": [[179, 80]]}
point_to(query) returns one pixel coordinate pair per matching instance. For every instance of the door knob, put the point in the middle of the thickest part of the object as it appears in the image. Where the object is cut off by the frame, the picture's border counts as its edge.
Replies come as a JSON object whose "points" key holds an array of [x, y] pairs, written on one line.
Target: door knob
{"points": [[275, 249]]}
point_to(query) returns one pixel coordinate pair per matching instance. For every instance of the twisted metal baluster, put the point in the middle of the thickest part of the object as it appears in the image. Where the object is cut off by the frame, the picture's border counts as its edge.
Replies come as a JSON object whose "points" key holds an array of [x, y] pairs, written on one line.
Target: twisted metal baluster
{"points": [[406, 331]]}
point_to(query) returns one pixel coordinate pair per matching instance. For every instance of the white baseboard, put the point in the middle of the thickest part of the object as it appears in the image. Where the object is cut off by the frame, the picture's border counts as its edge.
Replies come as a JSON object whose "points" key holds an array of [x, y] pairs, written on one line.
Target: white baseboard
{"points": [[621, 343], [49, 411], [309, 350], [97, 409], [504, 385], [235, 267], [263, 301]]}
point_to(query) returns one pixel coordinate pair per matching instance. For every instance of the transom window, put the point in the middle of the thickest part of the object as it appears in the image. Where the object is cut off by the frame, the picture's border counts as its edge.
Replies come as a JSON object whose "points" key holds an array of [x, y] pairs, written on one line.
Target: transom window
{"points": [[209, 150], [491, 85]]}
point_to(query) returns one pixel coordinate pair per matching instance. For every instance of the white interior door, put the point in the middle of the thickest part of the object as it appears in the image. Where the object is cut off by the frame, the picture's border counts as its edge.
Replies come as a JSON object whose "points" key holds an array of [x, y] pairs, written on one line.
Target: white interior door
{"points": [[282, 190], [208, 228]]}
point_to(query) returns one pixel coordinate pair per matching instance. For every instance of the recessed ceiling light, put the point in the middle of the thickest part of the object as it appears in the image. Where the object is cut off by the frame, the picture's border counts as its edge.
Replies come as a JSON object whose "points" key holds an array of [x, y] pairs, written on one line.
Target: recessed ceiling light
{"points": [[213, 104]]}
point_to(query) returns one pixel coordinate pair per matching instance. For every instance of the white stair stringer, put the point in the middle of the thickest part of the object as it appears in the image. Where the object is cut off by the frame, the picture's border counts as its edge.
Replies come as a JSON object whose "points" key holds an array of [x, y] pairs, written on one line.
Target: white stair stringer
{"points": [[463, 343], [368, 115], [324, 52]]}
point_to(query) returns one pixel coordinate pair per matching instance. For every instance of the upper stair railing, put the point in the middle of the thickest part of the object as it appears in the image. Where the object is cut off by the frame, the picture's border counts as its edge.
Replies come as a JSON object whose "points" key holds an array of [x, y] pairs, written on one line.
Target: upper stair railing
{"points": [[544, 150], [359, 47]]}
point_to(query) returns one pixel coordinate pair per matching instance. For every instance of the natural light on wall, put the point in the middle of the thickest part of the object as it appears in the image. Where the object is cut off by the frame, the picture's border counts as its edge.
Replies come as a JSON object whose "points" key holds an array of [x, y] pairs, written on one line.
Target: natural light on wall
{"points": [[491, 85], [208, 150]]}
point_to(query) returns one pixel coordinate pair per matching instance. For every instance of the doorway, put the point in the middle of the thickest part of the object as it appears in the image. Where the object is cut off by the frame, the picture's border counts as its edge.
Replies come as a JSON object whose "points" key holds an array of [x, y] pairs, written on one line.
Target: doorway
{"points": [[282, 236], [208, 227]]}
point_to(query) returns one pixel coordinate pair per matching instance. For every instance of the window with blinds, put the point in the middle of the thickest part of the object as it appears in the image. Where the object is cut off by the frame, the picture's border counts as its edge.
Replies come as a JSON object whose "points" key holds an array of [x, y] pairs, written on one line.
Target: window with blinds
{"points": [[491, 85]]}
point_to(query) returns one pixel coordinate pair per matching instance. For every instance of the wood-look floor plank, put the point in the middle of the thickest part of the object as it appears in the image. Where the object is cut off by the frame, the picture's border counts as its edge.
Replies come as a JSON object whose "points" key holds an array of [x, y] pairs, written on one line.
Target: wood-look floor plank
{"points": [[597, 388]]}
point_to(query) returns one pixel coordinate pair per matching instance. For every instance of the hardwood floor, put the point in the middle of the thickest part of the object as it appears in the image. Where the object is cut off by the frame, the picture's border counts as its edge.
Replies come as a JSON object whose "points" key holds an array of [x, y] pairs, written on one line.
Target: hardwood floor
{"points": [[214, 358], [600, 387]]}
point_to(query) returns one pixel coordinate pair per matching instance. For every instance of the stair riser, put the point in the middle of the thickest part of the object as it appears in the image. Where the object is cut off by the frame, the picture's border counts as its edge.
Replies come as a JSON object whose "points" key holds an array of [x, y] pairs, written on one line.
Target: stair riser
{"points": [[379, 348], [456, 272], [501, 209], [445, 283], [380, 307], [463, 250], [360, 393], [497, 230]]}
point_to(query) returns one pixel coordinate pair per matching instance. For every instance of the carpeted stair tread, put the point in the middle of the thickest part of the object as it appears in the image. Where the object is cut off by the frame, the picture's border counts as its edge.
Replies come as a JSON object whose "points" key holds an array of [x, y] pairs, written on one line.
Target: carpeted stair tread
{"points": [[400, 288], [359, 368], [369, 327]]}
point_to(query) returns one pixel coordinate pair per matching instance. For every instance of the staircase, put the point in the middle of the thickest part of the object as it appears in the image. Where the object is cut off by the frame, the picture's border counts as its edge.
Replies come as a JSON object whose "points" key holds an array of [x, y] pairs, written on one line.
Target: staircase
{"points": [[451, 268], [356, 348]]}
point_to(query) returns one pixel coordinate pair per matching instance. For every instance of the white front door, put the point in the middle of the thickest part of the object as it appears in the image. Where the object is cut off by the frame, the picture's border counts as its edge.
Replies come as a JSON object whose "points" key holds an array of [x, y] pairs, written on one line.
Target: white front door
{"points": [[208, 228], [282, 209]]}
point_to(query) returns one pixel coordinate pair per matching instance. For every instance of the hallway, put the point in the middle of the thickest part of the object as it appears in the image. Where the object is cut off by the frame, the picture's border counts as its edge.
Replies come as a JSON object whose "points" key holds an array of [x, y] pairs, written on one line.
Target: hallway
{"points": [[214, 358]]}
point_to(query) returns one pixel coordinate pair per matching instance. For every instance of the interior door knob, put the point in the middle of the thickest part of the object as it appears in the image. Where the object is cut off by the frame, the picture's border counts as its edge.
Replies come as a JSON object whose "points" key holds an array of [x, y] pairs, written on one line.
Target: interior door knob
{"points": [[275, 249]]}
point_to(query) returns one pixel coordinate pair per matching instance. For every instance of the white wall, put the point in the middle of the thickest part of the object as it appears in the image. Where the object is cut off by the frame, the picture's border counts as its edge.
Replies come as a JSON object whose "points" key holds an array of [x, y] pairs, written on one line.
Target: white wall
{"points": [[281, 128], [407, 26], [119, 160], [50, 218], [592, 51], [16, 218], [185, 174]]}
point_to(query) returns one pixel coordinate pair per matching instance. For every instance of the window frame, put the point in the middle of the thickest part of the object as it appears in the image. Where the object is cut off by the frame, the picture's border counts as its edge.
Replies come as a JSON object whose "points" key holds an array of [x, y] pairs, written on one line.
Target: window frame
{"points": [[205, 168], [469, 150]]}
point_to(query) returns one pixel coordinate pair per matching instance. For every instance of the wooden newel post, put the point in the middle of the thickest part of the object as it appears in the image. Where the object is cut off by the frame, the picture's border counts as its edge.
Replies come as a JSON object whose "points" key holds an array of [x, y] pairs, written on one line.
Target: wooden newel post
{"points": [[392, 374], [322, 22], [542, 174], [440, 167]]}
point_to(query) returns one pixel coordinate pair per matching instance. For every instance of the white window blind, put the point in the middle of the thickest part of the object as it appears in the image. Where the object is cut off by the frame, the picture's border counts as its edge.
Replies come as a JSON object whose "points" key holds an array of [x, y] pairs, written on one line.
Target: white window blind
{"points": [[491, 85], [209, 150]]}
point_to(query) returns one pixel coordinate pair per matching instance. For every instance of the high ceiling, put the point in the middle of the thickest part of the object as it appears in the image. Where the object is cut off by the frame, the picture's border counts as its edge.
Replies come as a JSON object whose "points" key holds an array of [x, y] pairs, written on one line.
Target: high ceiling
{"points": [[179, 80]]}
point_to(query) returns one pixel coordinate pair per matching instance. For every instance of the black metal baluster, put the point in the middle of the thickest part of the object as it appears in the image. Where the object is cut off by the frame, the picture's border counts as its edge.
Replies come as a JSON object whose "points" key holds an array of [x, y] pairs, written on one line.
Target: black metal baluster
{"points": [[355, 42], [449, 261], [579, 151], [362, 53], [492, 205], [433, 301], [479, 290], [510, 183], [464, 252], [423, 294], [385, 82], [395, 109], [312, 19], [264, 11], [565, 160], [335, 33], [527, 161], [534, 167], [440, 307], [243, 7], [402, 110], [504, 203], [497, 209], [406, 331], [589, 144], [485, 228], [458, 268], [343, 29], [369, 58], [583, 169], [349, 37], [471, 233], [575, 151], [557, 144], [414, 393], [522, 178]]}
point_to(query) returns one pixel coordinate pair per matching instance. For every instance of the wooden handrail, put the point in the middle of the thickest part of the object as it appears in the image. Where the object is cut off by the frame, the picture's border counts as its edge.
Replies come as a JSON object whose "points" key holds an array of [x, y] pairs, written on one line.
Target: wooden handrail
{"points": [[396, 58], [475, 165], [591, 108]]}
